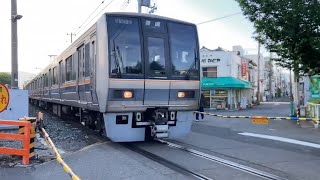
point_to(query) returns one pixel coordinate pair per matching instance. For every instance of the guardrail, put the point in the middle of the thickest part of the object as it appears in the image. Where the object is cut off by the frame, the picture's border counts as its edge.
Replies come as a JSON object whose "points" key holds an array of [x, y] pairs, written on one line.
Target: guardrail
{"points": [[264, 119], [25, 138], [48, 140]]}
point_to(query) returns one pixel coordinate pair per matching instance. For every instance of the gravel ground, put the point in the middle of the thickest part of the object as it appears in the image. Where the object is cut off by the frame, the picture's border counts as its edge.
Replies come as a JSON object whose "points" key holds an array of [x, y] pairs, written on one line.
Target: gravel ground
{"points": [[67, 136]]}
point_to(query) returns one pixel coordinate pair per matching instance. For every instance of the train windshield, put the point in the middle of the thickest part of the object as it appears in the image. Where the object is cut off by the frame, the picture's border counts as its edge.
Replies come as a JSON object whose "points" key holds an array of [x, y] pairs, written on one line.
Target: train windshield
{"points": [[170, 49], [183, 50], [124, 46]]}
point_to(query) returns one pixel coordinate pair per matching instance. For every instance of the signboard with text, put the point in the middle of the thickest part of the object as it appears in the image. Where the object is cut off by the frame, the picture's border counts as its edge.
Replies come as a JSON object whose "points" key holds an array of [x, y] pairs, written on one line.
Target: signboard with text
{"points": [[4, 97], [243, 67]]}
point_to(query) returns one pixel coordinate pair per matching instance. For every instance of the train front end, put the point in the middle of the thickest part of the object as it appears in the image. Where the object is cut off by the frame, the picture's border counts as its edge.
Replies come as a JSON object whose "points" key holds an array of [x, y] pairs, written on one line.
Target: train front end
{"points": [[153, 81]]}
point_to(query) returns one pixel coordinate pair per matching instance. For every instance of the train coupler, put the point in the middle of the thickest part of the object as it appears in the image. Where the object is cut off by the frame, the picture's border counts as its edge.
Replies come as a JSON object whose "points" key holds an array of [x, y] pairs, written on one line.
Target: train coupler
{"points": [[160, 131]]}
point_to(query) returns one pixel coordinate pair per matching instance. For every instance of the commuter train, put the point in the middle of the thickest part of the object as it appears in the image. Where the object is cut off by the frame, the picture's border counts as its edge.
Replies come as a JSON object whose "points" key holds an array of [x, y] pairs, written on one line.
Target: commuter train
{"points": [[130, 76]]}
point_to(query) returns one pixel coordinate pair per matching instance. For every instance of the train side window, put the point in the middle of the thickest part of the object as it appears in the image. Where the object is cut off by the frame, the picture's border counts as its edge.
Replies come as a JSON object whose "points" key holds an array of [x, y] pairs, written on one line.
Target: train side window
{"points": [[54, 76], [87, 61], [49, 78], [69, 69], [81, 62], [92, 58]]}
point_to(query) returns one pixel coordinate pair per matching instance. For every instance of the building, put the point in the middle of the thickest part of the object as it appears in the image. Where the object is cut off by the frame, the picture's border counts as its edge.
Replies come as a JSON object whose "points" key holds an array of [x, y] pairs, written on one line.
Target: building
{"points": [[225, 79], [24, 78]]}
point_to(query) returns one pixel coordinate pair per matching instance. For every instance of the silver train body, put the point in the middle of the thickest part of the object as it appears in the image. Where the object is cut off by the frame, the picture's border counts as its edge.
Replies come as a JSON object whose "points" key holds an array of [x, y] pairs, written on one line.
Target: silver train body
{"points": [[132, 77]]}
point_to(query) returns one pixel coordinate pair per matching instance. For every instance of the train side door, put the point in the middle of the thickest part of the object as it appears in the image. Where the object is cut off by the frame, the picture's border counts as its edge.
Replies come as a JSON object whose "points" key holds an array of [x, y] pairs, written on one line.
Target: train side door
{"points": [[87, 70], [93, 56], [156, 53], [81, 75]]}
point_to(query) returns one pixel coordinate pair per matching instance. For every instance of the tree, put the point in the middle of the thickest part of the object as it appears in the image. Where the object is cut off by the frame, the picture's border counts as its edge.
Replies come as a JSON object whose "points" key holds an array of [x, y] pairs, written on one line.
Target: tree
{"points": [[5, 78], [290, 28]]}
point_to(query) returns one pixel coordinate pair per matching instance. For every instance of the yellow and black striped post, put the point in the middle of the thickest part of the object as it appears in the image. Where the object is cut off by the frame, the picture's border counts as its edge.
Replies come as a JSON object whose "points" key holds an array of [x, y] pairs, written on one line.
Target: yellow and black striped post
{"points": [[33, 121]]}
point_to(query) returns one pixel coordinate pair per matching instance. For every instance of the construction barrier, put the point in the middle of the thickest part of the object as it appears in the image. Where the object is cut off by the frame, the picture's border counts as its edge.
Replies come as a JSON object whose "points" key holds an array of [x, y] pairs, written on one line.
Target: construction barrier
{"points": [[54, 149], [25, 138], [33, 131], [263, 119]]}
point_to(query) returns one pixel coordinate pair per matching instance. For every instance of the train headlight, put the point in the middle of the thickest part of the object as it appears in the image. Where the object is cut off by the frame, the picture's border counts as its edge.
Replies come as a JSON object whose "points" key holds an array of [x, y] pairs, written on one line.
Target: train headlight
{"points": [[186, 94], [127, 94], [181, 94]]}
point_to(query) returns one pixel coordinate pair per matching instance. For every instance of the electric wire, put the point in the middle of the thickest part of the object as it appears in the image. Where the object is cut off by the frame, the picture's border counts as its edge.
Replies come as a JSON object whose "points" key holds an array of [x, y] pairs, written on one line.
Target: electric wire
{"points": [[96, 16], [204, 22], [75, 31]]}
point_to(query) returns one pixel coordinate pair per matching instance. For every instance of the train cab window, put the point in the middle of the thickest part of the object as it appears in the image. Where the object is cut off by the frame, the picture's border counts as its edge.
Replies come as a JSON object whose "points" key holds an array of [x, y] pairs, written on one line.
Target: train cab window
{"points": [[156, 56], [124, 46], [183, 48]]}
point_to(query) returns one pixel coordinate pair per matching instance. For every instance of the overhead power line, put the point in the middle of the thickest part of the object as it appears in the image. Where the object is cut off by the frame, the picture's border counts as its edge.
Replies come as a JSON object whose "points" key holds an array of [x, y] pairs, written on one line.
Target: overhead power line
{"points": [[124, 4], [95, 16], [204, 22], [88, 17]]}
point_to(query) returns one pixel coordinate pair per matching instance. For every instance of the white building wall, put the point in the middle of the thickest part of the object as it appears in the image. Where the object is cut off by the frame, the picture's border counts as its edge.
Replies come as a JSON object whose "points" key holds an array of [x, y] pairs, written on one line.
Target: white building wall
{"points": [[219, 59]]}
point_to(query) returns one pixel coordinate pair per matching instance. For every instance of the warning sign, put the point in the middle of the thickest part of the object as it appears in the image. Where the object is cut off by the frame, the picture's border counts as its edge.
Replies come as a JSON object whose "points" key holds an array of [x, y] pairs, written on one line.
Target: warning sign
{"points": [[4, 97]]}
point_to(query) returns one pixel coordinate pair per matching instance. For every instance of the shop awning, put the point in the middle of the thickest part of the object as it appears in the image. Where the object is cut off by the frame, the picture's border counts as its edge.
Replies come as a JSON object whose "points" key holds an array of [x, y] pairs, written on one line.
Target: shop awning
{"points": [[224, 82]]}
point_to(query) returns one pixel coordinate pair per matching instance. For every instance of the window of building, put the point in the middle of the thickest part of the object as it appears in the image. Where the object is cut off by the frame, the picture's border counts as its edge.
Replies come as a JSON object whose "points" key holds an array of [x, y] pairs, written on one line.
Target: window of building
{"points": [[210, 72]]}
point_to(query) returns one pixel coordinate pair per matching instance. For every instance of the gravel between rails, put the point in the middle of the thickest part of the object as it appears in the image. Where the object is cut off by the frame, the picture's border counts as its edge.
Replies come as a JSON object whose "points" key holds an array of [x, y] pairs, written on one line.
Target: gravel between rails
{"points": [[67, 136]]}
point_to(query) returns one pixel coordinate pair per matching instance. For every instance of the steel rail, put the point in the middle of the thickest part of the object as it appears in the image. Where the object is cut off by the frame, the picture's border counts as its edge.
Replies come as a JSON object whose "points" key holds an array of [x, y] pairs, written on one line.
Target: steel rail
{"points": [[166, 163], [228, 163]]}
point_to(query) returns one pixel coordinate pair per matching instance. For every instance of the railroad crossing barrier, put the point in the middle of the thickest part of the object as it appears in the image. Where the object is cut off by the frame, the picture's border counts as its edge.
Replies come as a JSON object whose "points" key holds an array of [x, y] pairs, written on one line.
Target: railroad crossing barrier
{"points": [[25, 138], [54, 149], [33, 122], [264, 119]]}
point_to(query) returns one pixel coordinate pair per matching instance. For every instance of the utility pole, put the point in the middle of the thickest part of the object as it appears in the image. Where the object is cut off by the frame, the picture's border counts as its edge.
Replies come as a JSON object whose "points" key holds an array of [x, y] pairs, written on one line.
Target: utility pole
{"points": [[71, 34], [258, 93], [139, 6], [14, 45], [270, 75], [291, 96]]}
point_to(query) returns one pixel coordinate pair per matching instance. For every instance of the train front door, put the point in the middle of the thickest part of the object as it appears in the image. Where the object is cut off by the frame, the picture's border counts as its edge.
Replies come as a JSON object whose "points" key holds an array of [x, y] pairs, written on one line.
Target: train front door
{"points": [[157, 84]]}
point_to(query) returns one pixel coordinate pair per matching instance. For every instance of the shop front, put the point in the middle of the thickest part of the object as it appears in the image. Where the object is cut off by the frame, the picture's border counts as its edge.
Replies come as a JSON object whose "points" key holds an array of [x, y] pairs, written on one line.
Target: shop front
{"points": [[226, 93]]}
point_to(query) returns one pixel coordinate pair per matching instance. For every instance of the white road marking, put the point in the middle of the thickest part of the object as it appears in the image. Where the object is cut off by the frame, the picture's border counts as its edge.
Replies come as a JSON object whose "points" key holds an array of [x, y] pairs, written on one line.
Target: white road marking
{"points": [[287, 140]]}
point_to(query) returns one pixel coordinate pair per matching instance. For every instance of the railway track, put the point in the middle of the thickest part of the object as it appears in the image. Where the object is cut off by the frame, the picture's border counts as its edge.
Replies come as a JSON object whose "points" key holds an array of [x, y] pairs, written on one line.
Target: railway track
{"points": [[167, 163], [247, 169], [196, 175]]}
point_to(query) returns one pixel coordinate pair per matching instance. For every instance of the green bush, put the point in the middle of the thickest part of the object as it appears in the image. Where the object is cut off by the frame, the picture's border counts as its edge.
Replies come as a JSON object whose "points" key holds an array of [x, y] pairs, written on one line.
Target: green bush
{"points": [[315, 101]]}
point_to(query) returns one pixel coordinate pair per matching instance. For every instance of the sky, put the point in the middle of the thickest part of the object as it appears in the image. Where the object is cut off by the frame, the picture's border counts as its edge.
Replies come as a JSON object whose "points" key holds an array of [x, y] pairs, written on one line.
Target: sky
{"points": [[43, 29]]}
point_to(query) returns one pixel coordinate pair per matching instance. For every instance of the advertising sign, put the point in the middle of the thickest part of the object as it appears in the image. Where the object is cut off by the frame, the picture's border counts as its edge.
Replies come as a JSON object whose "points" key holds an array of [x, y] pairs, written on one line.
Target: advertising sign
{"points": [[315, 87], [243, 67]]}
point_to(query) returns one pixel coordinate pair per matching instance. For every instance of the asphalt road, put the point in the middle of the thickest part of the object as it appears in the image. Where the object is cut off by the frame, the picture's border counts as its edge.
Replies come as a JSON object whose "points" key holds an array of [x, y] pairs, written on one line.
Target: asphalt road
{"points": [[292, 159]]}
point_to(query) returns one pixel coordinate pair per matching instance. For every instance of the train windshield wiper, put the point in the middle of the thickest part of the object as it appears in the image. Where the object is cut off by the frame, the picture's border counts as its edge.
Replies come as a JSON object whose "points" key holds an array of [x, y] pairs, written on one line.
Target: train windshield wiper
{"points": [[192, 65], [116, 54]]}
